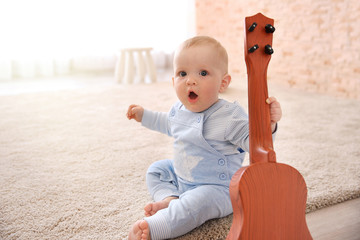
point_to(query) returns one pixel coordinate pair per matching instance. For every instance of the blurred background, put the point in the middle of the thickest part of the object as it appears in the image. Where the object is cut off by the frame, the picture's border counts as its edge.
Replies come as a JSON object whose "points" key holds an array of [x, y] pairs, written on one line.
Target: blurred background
{"points": [[42, 38], [316, 42]]}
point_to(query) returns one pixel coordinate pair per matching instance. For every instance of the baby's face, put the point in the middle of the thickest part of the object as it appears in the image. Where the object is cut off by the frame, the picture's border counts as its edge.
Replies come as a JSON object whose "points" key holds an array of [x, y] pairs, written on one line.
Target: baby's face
{"points": [[198, 72]]}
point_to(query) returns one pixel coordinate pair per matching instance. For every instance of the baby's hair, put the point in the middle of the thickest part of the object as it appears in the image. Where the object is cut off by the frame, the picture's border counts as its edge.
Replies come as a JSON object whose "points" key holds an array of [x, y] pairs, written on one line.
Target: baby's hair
{"points": [[206, 40]]}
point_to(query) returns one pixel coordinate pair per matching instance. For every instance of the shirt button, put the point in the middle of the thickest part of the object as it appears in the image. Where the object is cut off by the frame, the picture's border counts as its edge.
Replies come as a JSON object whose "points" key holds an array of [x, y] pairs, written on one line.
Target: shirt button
{"points": [[198, 119], [221, 162], [222, 176], [172, 113]]}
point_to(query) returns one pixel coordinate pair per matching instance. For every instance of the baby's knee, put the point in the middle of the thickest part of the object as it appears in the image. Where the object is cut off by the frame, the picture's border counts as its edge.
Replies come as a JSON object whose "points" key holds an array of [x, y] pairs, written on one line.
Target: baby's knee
{"points": [[161, 170], [160, 166]]}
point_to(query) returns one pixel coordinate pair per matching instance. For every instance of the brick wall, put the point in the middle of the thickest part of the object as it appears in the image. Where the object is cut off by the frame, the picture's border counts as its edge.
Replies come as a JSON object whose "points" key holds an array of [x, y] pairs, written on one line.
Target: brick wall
{"points": [[316, 42]]}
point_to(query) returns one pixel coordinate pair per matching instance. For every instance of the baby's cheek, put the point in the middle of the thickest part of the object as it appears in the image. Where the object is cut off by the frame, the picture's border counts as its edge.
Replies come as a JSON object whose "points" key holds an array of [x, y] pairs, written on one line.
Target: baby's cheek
{"points": [[211, 94]]}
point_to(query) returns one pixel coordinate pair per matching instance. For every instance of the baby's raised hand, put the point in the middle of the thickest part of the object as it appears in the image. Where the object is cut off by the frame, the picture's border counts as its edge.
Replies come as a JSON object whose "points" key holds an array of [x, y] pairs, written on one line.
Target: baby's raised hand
{"points": [[135, 112], [275, 112]]}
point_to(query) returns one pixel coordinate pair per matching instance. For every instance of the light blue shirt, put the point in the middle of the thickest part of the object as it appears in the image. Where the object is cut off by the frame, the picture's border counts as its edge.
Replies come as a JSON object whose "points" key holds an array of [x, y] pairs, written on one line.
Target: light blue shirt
{"points": [[206, 145]]}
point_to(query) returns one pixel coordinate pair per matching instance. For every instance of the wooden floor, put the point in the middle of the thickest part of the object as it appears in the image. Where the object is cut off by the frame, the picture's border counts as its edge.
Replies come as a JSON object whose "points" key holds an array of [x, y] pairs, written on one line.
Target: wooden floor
{"points": [[338, 222]]}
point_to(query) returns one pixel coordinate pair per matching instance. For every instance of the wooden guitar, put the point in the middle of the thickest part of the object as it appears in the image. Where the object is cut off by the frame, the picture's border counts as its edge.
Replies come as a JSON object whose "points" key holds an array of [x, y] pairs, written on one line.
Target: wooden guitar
{"points": [[268, 198]]}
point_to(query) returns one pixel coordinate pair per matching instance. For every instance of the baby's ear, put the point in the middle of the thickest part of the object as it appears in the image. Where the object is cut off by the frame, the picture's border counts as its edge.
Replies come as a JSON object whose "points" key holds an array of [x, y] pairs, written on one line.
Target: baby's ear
{"points": [[225, 83]]}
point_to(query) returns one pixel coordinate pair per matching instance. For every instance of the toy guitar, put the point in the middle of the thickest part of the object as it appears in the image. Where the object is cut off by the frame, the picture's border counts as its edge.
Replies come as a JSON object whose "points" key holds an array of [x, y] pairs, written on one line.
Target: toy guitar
{"points": [[268, 198]]}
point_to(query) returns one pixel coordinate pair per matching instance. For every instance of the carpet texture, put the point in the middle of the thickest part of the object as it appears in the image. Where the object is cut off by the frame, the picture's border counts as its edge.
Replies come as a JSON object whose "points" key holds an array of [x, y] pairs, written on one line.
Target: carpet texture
{"points": [[73, 167]]}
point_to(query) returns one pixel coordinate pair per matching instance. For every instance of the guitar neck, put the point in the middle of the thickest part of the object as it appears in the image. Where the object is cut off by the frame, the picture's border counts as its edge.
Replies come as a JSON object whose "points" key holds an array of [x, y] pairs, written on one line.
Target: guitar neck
{"points": [[258, 52]]}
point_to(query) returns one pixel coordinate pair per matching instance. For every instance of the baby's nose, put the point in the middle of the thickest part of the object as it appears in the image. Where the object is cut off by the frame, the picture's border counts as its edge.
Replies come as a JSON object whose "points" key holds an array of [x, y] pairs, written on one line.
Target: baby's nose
{"points": [[191, 81]]}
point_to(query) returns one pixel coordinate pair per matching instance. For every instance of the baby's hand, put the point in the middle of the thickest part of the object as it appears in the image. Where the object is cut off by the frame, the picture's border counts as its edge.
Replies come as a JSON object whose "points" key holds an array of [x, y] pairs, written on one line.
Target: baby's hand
{"points": [[275, 112], [135, 112]]}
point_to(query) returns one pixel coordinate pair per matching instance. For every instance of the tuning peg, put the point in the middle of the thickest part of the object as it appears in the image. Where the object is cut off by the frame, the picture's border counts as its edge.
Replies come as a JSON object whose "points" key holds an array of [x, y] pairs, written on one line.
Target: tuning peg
{"points": [[269, 50], [252, 27], [253, 48], [269, 28]]}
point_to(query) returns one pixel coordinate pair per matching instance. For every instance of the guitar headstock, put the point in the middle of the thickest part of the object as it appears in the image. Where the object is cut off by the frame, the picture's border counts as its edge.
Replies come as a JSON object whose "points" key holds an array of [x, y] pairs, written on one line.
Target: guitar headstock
{"points": [[258, 39]]}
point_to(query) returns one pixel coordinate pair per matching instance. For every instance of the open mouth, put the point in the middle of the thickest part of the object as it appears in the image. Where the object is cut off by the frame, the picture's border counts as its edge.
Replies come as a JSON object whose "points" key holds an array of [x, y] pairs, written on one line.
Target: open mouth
{"points": [[192, 95]]}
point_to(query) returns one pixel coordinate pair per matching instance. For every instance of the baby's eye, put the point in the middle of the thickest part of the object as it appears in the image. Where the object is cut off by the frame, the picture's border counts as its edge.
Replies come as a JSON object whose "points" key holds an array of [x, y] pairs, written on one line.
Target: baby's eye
{"points": [[203, 73], [182, 74]]}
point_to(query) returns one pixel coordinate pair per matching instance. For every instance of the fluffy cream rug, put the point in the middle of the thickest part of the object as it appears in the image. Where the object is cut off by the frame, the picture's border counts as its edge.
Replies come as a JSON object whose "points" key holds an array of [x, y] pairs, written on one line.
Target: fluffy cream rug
{"points": [[73, 167]]}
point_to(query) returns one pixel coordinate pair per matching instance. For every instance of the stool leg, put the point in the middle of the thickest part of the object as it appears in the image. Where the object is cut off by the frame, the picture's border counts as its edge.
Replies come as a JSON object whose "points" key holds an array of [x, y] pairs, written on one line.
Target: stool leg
{"points": [[119, 67], [150, 66], [140, 66], [129, 68]]}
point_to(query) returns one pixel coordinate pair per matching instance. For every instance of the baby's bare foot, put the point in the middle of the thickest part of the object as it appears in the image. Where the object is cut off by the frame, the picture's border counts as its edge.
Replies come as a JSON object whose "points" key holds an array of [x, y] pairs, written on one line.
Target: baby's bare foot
{"points": [[140, 231], [152, 208]]}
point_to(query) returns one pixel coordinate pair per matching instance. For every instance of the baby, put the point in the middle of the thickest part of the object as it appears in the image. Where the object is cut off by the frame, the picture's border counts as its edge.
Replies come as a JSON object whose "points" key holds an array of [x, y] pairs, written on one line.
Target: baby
{"points": [[211, 136]]}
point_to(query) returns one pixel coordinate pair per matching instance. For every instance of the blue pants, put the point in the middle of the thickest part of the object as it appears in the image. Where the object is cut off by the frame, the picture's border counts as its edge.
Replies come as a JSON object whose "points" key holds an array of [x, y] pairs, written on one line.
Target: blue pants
{"points": [[196, 204]]}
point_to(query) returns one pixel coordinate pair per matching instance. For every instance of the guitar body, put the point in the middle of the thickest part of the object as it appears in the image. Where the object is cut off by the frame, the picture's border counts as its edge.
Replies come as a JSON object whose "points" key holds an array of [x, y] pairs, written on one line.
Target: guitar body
{"points": [[268, 198], [269, 201]]}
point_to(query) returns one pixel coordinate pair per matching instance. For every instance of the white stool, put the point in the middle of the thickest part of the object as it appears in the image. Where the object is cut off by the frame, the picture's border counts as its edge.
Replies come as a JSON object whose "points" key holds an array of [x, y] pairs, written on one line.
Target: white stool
{"points": [[126, 70]]}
